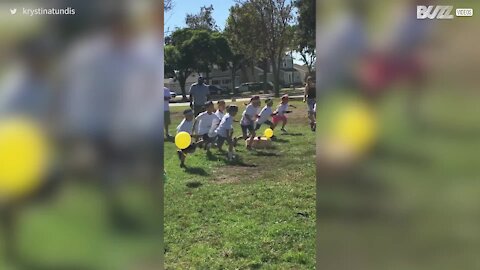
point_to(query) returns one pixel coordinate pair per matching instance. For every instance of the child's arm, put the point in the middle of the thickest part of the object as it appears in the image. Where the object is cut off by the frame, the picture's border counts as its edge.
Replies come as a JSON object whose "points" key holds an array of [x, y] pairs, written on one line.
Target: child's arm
{"points": [[194, 128], [292, 106]]}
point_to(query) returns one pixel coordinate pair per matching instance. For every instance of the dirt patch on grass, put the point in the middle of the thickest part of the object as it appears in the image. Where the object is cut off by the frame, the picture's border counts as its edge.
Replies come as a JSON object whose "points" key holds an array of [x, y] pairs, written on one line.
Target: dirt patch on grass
{"points": [[235, 174]]}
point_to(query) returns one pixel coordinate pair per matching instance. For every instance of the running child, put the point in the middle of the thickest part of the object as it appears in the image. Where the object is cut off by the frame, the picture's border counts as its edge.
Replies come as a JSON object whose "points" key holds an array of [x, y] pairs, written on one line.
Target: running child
{"points": [[249, 116], [186, 126], [219, 113], [280, 116], [203, 124], [224, 131], [265, 114]]}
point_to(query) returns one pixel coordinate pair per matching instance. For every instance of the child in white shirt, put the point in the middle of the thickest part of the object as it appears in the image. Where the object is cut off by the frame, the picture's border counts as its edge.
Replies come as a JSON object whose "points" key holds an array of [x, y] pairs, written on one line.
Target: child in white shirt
{"points": [[219, 113], [265, 114], [203, 124], [186, 126], [280, 116], [224, 130], [249, 116]]}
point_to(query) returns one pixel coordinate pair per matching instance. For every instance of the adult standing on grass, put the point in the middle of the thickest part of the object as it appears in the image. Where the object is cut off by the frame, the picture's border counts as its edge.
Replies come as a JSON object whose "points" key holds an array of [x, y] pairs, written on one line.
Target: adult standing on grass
{"points": [[199, 95], [166, 110], [309, 97]]}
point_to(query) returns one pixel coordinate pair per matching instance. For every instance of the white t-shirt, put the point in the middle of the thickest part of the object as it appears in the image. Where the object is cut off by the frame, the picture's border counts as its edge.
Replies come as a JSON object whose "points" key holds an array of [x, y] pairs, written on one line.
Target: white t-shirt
{"points": [[251, 111], [205, 122], [219, 115], [225, 124], [282, 108], [265, 114], [166, 94], [186, 126]]}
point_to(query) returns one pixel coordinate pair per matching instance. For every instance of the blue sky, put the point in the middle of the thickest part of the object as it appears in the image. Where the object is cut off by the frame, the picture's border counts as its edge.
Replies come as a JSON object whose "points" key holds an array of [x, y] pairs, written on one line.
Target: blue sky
{"points": [[176, 16]]}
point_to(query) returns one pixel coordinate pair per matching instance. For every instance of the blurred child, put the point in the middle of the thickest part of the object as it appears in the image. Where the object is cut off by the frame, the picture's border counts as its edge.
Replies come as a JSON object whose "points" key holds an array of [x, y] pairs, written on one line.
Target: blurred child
{"points": [[186, 126], [225, 131], [265, 114], [280, 116], [249, 116], [203, 124]]}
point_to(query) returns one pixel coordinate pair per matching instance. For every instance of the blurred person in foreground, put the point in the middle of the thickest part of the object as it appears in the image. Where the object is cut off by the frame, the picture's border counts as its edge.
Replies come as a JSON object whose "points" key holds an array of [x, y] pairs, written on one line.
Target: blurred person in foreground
{"points": [[114, 104], [27, 98], [341, 46], [400, 59]]}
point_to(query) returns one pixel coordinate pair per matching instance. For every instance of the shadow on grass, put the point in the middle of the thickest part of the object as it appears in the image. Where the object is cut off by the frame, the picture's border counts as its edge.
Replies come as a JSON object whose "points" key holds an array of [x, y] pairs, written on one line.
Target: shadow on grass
{"points": [[276, 139], [194, 184], [265, 154], [292, 134], [237, 161], [196, 171]]}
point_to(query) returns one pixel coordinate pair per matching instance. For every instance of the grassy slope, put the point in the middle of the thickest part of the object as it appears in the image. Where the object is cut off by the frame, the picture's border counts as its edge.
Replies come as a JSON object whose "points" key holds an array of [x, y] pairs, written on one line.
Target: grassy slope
{"points": [[245, 214]]}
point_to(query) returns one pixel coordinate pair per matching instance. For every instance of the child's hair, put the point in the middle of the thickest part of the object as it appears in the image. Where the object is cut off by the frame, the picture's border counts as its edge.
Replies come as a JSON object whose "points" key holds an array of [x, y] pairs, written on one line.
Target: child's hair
{"points": [[268, 100], [285, 97], [187, 112], [208, 103], [256, 97], [232, 108], [221, 102]]}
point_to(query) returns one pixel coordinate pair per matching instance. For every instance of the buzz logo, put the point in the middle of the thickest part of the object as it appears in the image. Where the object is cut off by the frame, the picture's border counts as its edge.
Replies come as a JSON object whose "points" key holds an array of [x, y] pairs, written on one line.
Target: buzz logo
{"points": [[434, 12]]}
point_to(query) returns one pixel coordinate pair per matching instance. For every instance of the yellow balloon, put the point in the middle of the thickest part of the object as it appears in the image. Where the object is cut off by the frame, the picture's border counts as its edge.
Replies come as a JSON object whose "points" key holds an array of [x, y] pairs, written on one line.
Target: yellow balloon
{"points": [[24, 157], [356, 127], [183, 140], [268, 133]]}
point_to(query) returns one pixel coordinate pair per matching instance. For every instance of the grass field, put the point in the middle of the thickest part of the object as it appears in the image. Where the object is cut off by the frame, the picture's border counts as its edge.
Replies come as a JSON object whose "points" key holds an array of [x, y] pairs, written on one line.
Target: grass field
{"points": [[255, 212]]}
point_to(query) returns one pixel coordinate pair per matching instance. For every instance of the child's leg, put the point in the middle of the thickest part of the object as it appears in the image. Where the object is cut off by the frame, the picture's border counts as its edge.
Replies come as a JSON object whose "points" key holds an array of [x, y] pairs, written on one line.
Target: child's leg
{"points": [[244, 133], [284, 122], [252, 137], [231, 147]]}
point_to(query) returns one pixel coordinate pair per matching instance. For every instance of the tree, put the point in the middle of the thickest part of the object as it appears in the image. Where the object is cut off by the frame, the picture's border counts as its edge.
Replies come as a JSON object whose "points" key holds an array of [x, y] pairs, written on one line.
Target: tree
{"points": [[305, 32], [189, 50], [271, 19], [202, 20], [180, 60], [242, 36]]}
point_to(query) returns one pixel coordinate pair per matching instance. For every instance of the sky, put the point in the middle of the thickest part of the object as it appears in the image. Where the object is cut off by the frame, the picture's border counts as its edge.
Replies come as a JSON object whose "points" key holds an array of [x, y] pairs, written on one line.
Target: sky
{"points": [[176, 17]]}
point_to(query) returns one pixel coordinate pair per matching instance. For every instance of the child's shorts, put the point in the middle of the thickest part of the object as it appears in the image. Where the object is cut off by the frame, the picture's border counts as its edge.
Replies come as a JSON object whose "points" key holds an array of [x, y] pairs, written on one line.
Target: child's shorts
{"points": [[279, 118], [267, 122], [250, 128], [221, 140], [190, 149], [207, 138]]}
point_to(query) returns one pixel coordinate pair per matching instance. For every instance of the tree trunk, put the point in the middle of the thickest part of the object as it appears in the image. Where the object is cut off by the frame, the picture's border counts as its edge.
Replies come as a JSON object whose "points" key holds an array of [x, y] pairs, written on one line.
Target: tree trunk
{"points": [[265, 76], [182, 79], [233, 79], [276, 74]]}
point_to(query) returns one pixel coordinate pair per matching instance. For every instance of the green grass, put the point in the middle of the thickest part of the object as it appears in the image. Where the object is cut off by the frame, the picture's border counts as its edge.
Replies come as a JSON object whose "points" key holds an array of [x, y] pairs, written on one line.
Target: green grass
{"points": [[256, 212]]}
